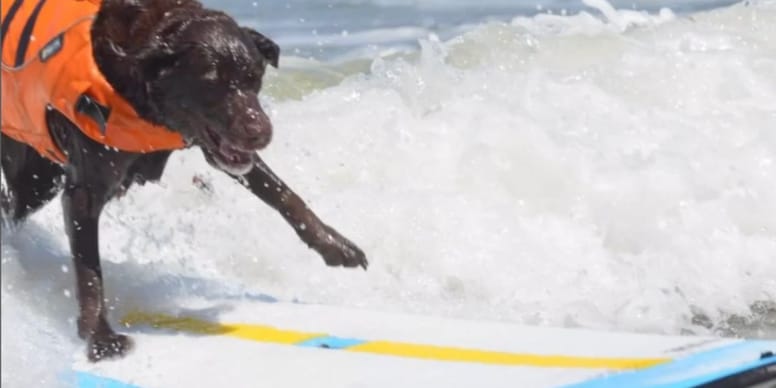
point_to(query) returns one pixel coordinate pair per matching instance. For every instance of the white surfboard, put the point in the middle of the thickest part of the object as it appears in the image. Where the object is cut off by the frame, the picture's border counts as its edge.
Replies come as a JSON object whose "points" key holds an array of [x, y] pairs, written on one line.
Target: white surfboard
{"points": [[255, 344]]}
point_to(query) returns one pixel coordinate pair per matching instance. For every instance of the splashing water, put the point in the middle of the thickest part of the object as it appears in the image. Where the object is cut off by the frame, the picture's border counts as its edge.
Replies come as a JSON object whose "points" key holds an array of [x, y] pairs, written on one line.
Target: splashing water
{"points": [[612, 172]]}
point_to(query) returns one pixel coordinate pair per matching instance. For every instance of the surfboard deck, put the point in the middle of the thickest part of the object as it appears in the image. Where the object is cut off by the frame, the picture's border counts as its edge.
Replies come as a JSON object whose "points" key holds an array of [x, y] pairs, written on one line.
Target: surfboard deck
{"points": [[250, 344]]}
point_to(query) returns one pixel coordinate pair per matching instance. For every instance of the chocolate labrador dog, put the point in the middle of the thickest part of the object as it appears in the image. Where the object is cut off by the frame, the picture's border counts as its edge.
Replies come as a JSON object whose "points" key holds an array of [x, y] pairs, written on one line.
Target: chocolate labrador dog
{"points": [[179, 65]]}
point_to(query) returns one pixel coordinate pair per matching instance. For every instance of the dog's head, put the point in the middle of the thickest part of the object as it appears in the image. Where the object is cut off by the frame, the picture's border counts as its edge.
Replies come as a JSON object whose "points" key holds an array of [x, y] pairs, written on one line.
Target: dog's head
{"points": [[190, 69]]}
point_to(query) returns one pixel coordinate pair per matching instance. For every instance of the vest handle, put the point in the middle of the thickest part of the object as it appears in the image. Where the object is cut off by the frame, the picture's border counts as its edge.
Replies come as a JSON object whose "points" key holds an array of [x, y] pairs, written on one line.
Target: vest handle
{"points": [[96, 111]]}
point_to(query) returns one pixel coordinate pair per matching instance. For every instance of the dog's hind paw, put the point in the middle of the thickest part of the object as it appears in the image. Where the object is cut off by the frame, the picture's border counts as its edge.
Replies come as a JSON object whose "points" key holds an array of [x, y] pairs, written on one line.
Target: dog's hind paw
{"points": [[109, 346]]}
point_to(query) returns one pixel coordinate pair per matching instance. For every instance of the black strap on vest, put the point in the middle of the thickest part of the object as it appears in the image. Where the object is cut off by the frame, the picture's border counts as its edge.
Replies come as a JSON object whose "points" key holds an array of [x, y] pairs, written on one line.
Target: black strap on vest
{"points": [[27, 30], [8, 19], [24, 40]]}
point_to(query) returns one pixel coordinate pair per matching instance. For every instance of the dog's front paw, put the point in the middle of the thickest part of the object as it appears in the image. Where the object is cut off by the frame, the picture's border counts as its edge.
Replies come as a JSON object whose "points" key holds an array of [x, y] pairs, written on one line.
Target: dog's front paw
{"points": [[108, 346], [339, 251]]}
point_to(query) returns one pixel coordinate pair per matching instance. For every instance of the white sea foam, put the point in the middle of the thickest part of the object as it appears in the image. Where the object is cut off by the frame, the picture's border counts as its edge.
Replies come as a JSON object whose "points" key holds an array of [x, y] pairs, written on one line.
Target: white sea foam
{"points": [[615, 173]]}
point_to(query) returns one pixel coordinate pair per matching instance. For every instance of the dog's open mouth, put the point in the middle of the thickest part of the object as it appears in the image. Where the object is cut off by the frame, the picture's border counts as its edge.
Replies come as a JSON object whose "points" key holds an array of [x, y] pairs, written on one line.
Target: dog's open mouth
{"points": [[228, 157]]}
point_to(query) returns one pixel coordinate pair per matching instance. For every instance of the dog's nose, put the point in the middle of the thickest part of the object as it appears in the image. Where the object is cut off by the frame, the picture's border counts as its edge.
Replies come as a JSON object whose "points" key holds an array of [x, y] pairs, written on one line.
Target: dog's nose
{"points": [[256, 129], [259, 136], [250, 128]]}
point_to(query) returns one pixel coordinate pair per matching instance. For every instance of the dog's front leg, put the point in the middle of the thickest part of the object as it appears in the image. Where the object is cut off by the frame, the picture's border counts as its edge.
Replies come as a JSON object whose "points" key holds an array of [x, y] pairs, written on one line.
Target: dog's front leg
{"points": [[82, 203], [335, 249]]}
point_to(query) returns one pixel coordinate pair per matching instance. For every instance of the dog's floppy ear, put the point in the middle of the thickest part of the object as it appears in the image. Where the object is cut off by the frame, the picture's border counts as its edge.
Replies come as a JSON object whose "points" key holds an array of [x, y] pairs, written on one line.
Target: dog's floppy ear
{"points": [[123, 43], [268, 49]]}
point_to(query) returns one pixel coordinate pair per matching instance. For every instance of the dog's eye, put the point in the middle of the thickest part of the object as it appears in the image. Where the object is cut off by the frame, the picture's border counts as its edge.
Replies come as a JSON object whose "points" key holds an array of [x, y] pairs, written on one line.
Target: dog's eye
{"points": [[253, 79]]}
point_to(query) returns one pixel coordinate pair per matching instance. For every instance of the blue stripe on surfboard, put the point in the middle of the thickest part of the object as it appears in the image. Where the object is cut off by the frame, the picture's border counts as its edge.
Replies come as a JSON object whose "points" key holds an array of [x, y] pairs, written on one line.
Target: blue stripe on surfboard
{"points": [[88, 380], [690, 371], [770, 361], [331, 342]]}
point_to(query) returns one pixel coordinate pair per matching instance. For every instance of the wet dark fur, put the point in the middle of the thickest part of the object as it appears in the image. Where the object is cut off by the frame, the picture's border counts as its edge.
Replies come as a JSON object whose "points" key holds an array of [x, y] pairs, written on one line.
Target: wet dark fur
{"points": [[193, 70]]}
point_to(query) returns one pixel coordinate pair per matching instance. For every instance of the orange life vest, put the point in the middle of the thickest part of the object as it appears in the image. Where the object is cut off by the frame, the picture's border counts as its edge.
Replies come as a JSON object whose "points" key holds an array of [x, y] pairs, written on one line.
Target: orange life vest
{"points": [[47, 63]]}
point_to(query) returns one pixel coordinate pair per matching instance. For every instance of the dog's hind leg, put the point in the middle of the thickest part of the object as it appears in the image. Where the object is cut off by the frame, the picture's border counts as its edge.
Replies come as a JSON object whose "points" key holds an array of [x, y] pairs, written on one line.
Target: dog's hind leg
{"points": [[30, 180], [335, 249]]}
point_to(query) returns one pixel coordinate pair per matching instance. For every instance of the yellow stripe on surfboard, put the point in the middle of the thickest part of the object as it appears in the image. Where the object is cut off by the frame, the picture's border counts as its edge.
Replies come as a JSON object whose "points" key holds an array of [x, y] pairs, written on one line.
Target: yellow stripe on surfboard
{"points": [[440, 353], [269, 334], [258, 333]]}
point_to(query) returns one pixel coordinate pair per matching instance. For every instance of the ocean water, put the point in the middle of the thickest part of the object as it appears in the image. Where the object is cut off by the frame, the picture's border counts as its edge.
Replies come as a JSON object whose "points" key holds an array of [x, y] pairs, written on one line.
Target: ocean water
{"points": [[331, 28], [612, 167]]}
